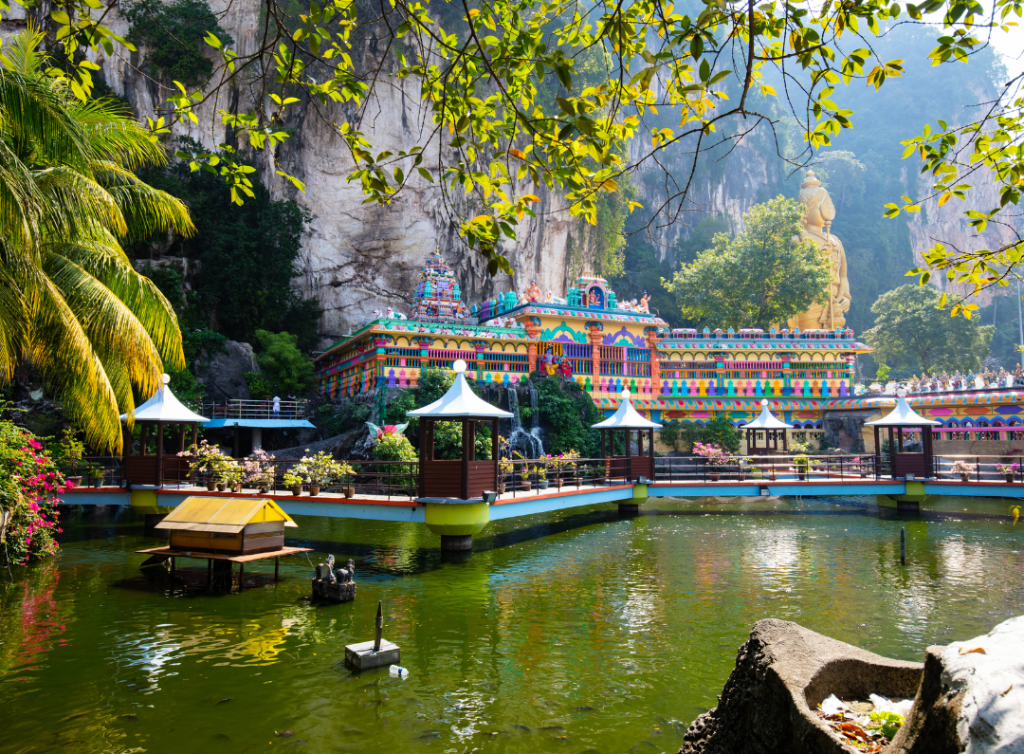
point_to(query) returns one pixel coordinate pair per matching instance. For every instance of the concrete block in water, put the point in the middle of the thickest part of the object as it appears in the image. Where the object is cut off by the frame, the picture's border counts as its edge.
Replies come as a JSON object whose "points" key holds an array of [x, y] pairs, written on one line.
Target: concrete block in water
{"points": [[362, 657]]}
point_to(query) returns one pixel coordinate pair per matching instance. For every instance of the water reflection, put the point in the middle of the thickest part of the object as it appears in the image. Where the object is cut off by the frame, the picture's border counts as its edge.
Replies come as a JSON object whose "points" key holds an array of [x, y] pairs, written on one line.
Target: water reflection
{"points": [[576, 631]]}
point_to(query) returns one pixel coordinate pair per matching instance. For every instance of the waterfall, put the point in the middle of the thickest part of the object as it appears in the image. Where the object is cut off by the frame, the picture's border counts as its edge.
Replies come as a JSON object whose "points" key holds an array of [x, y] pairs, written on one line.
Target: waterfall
{"points": [[528, 444]]}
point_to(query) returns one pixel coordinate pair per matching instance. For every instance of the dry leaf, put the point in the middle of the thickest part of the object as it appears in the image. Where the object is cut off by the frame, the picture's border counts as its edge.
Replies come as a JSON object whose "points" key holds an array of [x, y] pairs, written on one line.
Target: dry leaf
{"points": [[976, 650]]}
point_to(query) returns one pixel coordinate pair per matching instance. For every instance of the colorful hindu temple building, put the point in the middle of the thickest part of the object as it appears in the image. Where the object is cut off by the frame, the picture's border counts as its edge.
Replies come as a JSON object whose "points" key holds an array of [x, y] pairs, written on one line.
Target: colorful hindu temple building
{"points": [[604, 345]]}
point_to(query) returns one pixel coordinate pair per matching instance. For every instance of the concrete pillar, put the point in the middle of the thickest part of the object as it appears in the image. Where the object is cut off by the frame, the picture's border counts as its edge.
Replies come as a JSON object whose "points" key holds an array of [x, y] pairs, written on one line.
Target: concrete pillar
{"points": [[456, 542], [257, 438]]}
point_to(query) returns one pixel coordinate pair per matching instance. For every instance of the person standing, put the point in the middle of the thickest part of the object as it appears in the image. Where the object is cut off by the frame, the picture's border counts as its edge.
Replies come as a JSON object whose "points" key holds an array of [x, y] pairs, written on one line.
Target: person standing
{"points": [[277, 407]]}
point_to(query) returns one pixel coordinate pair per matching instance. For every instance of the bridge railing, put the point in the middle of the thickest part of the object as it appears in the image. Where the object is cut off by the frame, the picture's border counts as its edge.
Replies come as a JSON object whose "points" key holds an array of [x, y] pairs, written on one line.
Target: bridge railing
{"points": [[521, 476], [769, 468], [254, 409]]}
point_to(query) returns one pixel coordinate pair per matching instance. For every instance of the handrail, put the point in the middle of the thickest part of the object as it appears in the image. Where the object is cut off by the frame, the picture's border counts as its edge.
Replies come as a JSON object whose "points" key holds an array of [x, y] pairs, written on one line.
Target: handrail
{"points": [[239, 408]]}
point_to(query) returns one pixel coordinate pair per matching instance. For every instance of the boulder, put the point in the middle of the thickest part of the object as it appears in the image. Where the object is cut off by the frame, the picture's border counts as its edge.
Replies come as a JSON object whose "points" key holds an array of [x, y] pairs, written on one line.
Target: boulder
{"points": [[970, 700], [783, 672], [223, 373]]}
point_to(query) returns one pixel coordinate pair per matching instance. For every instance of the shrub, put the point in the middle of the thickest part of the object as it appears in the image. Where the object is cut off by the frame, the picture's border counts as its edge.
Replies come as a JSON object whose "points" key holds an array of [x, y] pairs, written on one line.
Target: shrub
{"points": [[173, 35], [29, 481]]}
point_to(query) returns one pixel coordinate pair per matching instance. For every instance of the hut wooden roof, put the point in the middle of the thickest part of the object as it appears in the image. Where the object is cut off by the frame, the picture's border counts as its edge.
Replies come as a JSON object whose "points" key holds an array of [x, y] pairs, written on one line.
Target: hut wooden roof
{"points": [[224, 515]]}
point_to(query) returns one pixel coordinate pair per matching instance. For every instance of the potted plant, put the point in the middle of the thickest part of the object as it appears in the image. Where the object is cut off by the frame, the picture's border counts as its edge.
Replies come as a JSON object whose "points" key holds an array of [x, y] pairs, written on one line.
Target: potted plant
{"points": [[346, 471], [293, 481], [741, 468], [71, 450], [714, 456], [258, 470], [320, 469], [230, 474], [524, 476], [542, 473], [1008, 470], [860, 466], [94, 472], [756, 472], [206, 459], [963, 469], [505, 467], [801, 463]]}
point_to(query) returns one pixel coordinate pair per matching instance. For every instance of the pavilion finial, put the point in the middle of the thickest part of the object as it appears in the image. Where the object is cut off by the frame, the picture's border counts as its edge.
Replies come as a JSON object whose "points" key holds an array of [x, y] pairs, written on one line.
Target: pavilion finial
{"points": [[764, 401], [459, 366], [901, 392], [625, 393], [166, 378]]}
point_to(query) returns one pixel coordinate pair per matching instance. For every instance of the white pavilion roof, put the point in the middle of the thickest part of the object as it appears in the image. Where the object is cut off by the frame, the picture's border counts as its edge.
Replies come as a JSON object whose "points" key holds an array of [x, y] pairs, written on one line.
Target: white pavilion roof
{"points": [[460, 402], [626, 417], [164, 407], [766, 420], [902, 416]]}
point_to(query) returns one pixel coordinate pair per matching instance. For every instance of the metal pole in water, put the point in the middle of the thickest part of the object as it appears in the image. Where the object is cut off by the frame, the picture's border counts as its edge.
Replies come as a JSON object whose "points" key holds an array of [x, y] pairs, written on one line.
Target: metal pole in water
{"points": [[903, 546], [380, 626]]}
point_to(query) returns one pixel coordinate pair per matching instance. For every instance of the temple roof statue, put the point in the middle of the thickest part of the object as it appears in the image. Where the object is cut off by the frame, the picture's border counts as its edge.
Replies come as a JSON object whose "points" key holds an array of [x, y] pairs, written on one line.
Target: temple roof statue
{"points": [[818, 217]]}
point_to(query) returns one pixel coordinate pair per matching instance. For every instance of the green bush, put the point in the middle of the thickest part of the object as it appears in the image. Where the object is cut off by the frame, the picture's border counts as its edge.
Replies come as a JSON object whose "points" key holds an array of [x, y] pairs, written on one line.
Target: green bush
{"points": [[568, 412], [288, 370]]}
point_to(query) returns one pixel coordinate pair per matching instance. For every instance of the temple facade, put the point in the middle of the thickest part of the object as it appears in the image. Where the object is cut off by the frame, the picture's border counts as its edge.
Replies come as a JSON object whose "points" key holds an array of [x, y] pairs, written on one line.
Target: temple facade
{"points": [[604, 345]]}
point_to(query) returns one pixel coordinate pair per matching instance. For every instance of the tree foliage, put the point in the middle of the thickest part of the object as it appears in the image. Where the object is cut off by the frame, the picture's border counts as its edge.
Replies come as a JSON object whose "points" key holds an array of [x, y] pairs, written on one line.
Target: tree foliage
{"points": [[912, 332], [692, 79], [289, 370], [761, 277], [71, 304], [568, 412], [173, 35], [246, 256]]}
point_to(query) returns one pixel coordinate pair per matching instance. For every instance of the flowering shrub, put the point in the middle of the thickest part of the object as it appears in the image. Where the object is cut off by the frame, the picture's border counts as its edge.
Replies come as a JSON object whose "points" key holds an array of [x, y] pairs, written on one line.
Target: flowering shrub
{"points": [[258, 468], [229, 472], [205, 457], [962, 467], [29, 481], [320, 468], [1008, 468], [712, 453]]}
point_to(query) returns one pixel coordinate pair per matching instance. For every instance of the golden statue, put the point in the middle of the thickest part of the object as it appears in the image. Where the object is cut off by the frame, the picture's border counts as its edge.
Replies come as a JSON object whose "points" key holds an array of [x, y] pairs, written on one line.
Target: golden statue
{"points": [[817, 220]]}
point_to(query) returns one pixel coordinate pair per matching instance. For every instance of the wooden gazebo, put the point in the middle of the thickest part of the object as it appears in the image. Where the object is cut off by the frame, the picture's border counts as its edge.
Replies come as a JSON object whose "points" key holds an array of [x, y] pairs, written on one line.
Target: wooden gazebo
{"points": [[463, 478], [627, 421], [160, 411], [768, 428], [900, 422]]}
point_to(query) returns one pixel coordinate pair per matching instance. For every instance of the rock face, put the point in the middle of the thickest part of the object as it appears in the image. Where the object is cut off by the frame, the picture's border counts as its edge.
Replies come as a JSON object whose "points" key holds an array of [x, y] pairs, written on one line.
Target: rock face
{"points": [[783, 672], [970, 701], [844, 429], [224, 373]]}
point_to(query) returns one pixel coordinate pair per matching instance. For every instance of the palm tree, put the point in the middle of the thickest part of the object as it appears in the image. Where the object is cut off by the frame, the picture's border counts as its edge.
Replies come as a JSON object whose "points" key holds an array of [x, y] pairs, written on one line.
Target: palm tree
{"points": [[71, 304]]}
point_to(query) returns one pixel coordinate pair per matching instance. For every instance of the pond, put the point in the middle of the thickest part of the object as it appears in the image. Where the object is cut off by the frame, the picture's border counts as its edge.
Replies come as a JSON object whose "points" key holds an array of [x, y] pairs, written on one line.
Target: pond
{"points": [[570, 632]]}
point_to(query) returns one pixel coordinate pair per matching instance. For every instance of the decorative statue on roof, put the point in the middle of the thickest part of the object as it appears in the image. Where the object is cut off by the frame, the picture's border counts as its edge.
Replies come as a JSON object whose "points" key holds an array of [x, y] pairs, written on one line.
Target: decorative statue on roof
{"points": [[643, 305], [547, 363], [533, 293], [572, 296], [818, 219]]}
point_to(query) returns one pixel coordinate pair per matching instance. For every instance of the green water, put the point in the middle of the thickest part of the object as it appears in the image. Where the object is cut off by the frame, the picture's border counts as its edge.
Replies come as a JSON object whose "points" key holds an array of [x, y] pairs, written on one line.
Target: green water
{"points": [[568, 632]]}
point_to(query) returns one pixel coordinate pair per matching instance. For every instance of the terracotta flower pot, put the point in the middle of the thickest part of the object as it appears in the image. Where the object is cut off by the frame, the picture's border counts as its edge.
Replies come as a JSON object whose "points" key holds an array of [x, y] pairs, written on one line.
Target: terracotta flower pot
{"points": [[741, 476], [314, 489], [525, 487], [963, 477], [211, 486], [350, 492], [296, 489], [236, 487], [714, 476], [801, 475], [501, 488], [221, 486], [75, 480]]}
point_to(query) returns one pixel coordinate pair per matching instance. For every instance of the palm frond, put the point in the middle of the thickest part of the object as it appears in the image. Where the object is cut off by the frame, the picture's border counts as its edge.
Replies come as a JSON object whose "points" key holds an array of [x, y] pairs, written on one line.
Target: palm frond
{"points": [[146, 210]]}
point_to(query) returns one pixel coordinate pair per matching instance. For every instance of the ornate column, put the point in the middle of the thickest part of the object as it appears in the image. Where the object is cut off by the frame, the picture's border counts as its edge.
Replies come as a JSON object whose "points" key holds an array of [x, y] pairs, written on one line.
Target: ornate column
{"points": [[594, 336], [651, 335]]}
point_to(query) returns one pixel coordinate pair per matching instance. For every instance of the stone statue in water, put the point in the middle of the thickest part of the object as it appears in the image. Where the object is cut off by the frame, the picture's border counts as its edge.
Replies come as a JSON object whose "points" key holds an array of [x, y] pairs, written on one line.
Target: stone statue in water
{"points": [[818, 219]]}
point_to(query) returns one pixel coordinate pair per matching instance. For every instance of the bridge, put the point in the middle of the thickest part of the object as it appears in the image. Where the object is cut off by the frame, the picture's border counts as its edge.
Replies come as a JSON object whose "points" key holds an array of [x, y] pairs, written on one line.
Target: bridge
{"points": [[457, 518]]}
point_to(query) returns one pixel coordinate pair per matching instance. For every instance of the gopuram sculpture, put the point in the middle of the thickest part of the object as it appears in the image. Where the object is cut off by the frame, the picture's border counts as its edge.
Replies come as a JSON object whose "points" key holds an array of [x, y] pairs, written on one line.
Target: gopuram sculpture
{"points": [[818, 217]]}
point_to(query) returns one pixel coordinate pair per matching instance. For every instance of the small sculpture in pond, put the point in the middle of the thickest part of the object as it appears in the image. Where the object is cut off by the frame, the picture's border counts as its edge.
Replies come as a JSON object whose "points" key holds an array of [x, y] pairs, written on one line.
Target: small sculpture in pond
{"points": [[335, 585]]}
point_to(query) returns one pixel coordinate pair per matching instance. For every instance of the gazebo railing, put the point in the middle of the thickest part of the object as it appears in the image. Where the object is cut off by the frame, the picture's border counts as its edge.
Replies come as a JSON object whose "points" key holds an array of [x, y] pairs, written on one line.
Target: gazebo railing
{"points": [[254, 409]]}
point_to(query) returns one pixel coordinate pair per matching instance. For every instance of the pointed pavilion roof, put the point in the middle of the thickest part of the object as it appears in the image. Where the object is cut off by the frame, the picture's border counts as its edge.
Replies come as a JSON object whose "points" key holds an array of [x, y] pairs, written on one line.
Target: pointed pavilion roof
{"points": [[460, 402], [164, 407], [626, 417], [902, 415], [766, 420]]}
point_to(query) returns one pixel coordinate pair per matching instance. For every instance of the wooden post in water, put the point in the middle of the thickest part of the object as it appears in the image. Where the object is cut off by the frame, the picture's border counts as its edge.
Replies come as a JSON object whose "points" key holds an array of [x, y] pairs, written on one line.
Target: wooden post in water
{"points": [[903, 546], [379, 622]]}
